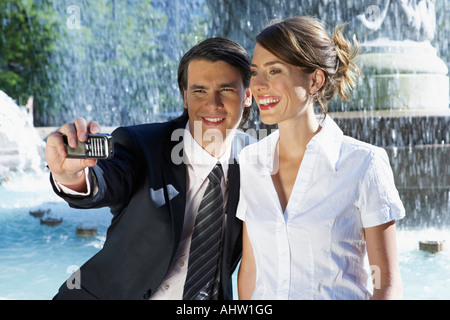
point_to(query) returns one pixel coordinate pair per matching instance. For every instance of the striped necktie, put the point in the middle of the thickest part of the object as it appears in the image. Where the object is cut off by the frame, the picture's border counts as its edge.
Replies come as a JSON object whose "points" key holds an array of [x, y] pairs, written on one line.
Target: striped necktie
{"points": [[204, 257]]}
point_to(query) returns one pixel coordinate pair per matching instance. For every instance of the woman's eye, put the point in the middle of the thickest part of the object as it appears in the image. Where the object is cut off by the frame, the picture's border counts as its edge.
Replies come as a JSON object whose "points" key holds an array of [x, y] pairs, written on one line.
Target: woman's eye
{"points": [[274, 71]]}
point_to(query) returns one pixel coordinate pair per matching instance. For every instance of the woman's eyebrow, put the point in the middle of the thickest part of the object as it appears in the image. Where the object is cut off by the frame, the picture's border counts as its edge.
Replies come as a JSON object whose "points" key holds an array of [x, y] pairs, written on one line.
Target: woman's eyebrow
{"points": [[269, 63]]}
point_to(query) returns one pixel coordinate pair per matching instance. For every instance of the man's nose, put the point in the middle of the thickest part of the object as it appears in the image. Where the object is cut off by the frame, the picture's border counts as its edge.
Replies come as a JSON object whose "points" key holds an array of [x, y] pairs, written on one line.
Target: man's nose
{"points": [[215, 100]]}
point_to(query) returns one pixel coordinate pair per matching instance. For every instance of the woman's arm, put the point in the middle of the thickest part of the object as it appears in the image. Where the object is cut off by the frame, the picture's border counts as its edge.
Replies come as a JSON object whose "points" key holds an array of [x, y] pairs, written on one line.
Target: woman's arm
{"points": [[382, 252], [247, 269]]}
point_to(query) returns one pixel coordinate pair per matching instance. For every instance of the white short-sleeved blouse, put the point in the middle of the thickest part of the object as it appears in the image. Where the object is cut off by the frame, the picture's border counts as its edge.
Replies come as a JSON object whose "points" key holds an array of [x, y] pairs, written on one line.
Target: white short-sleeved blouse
{"points": [[316, 248]]}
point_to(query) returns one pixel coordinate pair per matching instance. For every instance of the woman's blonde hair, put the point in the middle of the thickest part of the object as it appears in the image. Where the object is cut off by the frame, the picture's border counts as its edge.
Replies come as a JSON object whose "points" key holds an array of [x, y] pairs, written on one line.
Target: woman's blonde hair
{"points": [[303, 42]]}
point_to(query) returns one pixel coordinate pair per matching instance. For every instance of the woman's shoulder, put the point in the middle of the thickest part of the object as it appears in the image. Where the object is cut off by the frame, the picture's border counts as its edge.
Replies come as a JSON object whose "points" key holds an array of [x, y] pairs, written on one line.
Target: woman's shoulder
{"points": [[362, 155], [265, 143], [260, 153], [352, 145]]}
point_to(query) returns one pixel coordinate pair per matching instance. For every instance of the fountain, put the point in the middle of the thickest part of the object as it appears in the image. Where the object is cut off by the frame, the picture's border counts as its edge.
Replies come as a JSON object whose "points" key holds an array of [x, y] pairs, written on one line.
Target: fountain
{"points": [[21, 147], [117, 64]]}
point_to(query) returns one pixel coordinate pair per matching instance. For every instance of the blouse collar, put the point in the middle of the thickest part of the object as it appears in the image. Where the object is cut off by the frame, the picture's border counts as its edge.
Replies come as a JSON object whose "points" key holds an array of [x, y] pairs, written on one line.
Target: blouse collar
{"points": [[327, 141]]}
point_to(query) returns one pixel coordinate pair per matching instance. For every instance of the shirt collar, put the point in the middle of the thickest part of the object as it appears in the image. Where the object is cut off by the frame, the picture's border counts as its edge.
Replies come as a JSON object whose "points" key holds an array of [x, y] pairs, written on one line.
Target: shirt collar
{"points": [[201, 161], [328, 140]]}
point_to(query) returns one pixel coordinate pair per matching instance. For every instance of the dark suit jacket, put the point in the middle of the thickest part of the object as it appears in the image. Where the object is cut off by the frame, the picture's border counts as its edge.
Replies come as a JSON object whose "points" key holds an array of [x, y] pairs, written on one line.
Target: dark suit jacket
{"points": [[146, 192]]}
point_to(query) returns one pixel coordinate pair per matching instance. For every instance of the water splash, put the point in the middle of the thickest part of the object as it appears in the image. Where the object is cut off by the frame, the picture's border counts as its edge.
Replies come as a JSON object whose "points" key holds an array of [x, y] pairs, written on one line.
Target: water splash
{"points": [[21, 147]]}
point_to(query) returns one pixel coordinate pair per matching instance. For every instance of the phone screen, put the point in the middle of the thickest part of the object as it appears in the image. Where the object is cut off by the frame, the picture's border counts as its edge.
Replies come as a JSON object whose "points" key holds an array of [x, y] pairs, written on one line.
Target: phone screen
{"points": [[78, 151]]}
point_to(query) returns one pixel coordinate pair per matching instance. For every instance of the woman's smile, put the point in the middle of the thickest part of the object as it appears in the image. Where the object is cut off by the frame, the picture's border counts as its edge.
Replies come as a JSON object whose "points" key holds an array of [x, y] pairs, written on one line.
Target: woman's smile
{"points": [[268, 102]]}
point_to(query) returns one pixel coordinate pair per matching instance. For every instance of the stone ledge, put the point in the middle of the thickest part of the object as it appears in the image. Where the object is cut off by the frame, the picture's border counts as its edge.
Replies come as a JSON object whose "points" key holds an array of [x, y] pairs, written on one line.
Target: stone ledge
{"points": [[390, 113], [45, 131], [396, 128]]}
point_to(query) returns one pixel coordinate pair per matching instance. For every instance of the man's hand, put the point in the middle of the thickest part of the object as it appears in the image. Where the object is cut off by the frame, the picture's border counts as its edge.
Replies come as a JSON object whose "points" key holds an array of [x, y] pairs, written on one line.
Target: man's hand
{"points": [[70, 172]]}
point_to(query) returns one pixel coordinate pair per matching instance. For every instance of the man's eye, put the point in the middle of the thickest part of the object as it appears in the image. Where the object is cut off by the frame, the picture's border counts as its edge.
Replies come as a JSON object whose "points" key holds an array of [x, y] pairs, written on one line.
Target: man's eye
{"points": [[254, 73]]}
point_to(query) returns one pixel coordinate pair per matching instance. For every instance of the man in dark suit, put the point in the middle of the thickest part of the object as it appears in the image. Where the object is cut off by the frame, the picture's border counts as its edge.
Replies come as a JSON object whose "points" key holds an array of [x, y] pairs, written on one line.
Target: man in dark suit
{"points": [[156, 180]]}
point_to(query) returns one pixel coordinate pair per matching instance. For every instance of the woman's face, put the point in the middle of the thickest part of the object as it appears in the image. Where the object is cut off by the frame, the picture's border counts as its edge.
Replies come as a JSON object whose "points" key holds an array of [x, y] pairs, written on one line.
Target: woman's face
{"points": [[281, 90]]}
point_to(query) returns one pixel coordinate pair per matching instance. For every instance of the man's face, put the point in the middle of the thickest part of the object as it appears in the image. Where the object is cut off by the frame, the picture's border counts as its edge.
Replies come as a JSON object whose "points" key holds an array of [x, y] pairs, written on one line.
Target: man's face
{"points": [[215, 99]]}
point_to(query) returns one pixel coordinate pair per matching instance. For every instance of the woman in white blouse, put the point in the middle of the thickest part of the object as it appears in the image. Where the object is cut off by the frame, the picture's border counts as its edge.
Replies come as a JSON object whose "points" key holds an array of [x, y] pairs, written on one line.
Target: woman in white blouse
{"points": [[314, 202]]}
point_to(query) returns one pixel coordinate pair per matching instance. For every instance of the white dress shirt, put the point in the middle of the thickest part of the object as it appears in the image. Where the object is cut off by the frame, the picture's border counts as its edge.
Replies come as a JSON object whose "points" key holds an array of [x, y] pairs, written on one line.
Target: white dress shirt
{"points": [[316, 248], [199, 164]]}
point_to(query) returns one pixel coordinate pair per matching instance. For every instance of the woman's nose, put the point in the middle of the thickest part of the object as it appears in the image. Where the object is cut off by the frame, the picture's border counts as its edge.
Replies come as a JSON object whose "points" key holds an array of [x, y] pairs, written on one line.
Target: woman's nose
{"points": [[259, 83]]}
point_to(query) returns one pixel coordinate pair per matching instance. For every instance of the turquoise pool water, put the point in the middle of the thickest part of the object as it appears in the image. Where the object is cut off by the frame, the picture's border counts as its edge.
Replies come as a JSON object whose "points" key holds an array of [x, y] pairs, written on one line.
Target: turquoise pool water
{"points": [[35, 259]]}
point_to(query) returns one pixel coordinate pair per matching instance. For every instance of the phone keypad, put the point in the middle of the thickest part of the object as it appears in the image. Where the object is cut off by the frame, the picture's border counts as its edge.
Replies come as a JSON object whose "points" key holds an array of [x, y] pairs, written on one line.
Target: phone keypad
{"points": [[94, 147]]}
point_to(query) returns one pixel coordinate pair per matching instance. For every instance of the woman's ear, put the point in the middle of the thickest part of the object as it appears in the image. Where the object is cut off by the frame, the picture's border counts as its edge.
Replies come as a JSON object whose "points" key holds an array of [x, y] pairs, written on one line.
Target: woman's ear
{"points": [[248, 98], [318, 78]]}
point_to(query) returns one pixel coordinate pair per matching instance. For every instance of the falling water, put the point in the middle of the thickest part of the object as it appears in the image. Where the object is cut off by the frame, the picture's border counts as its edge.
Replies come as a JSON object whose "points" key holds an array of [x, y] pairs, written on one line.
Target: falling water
{"points": [[116, 61]]}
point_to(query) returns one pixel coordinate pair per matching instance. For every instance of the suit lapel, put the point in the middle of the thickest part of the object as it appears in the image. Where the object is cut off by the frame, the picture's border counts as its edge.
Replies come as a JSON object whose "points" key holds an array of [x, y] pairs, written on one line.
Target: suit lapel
{"points": [[234, 225], [174, 177], [175, 184]]}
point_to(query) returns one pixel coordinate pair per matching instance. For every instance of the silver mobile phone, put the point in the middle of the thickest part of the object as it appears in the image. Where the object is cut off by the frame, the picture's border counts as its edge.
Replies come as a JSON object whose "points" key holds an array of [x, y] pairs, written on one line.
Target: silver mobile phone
{"points": [[97, 146]]}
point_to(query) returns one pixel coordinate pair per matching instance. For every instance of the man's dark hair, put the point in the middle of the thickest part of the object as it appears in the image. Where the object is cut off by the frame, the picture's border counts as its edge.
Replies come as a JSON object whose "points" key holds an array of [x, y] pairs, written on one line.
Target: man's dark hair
{"points": [[213, 50]]}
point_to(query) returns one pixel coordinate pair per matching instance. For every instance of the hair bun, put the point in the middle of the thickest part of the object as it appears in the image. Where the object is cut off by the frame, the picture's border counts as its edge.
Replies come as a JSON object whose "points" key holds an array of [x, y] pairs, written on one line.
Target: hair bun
{"points": [[346, 70]]}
